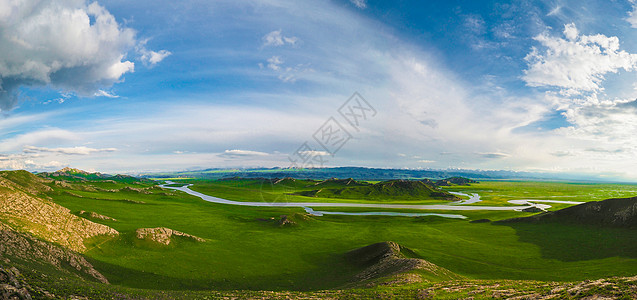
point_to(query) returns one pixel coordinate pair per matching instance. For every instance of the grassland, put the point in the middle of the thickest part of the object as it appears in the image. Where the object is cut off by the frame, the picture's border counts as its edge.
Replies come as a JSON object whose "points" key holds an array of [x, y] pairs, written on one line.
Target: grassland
{"points": [[247, 249]]}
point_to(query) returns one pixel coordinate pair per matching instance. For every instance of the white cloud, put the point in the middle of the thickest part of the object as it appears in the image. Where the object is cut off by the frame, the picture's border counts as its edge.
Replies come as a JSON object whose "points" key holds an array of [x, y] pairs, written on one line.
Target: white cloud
{"points": [[237, 152], [275, 38], [274, 63], [315, 153], [103, 93], [360, 3], [493, 155], [78, 150], [555, 10], [38, 137], [69, 45], [150, 57], [577, 63], [424, 161]]}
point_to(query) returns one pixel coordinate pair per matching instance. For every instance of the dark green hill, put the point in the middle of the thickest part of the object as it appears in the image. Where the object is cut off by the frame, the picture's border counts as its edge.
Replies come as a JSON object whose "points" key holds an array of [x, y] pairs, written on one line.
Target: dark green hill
{"points": [[455, 181], [392, 189], [607, 213]]}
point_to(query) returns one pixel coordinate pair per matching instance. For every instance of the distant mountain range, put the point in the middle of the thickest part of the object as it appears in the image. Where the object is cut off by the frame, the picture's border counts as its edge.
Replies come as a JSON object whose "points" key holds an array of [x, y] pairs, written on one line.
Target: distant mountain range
{"points": [[362, 173]]}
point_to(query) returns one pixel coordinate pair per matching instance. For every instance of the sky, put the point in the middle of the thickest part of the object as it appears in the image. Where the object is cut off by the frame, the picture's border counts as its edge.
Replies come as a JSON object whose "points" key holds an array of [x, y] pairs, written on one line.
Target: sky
{"points": [[146, 86]]}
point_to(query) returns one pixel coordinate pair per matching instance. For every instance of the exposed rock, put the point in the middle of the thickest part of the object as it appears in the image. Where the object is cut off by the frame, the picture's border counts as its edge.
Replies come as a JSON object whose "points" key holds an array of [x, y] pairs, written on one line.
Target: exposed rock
{"points": [[163, 235], [135, 190], [95, 215], [45, 219], [26, 248], [284, 221]]}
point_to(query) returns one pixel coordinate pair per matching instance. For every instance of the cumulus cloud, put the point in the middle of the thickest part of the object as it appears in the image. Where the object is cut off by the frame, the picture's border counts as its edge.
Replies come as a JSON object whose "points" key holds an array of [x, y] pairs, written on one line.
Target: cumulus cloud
{"points": [[79, 150], [69, 45], [237, 152], [577, 62], [275, 38], [150, 57]]}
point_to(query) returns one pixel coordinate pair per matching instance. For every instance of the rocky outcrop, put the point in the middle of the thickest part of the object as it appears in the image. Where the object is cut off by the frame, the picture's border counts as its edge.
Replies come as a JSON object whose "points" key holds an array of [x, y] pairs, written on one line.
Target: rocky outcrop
{"points": [[388, 258], [135, 190], [284, 221], [10, 286], [95, 215], [163, 235], [26, 248], [43, 218]]}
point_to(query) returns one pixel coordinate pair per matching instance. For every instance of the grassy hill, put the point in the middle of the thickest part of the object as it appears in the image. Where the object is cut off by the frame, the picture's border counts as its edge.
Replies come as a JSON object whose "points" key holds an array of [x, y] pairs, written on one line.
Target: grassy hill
{"points": [[385, 190], [620, 212]]}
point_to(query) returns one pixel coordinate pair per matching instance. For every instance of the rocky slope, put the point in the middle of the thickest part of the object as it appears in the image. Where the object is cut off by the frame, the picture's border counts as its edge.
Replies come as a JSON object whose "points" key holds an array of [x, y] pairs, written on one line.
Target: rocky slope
{"points": [[24, 207], [22, 247]]}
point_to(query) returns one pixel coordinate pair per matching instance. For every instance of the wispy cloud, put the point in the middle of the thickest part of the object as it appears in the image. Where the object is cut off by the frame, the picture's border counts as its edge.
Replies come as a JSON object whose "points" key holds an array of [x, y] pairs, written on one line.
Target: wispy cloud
{"points": [[362, 4], [275, 63], [425, 161], [632, 16], [237, 152], [275, 38], [103, 93], [78, 150], [493, 155]]}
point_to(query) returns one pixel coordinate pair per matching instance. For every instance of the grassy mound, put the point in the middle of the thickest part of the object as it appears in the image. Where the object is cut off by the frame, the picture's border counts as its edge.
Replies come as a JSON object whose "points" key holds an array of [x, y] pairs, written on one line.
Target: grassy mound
{"points": [[384, 259], [608, 213]]}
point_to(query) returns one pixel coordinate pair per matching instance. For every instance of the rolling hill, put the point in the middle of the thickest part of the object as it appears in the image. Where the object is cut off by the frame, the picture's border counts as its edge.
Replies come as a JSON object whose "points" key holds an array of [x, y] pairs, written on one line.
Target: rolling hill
{"points": [[392, 189], [620, 212]]}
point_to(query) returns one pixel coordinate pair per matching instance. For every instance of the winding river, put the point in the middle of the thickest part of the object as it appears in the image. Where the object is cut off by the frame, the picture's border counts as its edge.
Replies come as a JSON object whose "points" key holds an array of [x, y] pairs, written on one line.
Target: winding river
{"points": [[456, 205]]}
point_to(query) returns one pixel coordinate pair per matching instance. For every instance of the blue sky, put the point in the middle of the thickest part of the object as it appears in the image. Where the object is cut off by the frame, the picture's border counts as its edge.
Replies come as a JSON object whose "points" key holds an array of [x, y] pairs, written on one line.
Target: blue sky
{"points": [[121, 86]]}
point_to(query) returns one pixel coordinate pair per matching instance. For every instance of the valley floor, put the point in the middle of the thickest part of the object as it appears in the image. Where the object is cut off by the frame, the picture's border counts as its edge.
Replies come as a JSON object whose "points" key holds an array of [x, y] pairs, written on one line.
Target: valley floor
{"points": [[161, 243]]}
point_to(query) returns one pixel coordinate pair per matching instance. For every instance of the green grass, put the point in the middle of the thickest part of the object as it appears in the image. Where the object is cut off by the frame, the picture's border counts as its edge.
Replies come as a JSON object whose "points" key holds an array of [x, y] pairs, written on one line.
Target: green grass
{"points": [[498, 192], [249, 190], [245, 249]]}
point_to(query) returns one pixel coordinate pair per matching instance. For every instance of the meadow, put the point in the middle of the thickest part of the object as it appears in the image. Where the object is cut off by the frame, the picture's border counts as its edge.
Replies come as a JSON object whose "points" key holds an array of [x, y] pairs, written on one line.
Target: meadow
{"points": [[247, 249]]}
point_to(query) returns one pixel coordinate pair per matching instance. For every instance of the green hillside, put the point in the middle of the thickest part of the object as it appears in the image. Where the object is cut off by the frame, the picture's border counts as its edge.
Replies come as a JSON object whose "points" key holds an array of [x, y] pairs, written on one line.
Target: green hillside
{"points": [[386, 190]]}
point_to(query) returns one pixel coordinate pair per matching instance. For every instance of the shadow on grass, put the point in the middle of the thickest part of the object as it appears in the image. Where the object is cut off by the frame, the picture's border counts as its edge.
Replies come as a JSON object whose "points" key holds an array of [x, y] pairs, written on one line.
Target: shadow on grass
{"points": [[570, 242], [335, 274]]}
